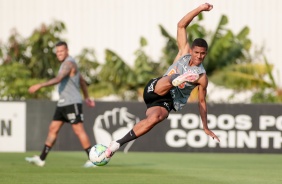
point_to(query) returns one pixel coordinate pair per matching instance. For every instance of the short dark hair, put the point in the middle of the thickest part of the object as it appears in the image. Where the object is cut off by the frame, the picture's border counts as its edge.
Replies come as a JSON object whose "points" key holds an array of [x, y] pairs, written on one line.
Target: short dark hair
{"points": [[200, 42], [60, 43]]}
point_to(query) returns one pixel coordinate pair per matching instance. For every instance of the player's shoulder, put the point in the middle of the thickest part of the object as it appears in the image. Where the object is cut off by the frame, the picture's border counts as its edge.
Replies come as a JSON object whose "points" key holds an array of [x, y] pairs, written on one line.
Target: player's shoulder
{"points": [[203, 80], [201, 68], [182, 58], [70, 61], [185, 57]]}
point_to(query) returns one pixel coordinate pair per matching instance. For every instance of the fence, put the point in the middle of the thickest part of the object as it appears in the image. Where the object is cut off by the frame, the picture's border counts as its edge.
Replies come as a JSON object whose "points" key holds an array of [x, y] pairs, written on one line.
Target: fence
{"points": [[242, 128]]}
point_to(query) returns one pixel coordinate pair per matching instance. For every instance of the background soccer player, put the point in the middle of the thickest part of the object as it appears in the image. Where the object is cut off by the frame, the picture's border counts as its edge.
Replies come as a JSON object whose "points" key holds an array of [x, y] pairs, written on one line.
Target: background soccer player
{"points": [[69, 106]]}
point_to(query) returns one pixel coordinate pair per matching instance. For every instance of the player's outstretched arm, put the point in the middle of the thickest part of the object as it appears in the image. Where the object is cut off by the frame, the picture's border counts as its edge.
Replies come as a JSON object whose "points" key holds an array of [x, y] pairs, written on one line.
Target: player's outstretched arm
{"points": [[83, 86], [66, 68], [203, 83], [182, 41]]}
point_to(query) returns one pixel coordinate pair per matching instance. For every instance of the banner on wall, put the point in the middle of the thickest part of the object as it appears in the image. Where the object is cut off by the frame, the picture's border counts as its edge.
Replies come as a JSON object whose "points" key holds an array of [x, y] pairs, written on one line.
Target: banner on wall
{"points": [[240, 128], [12, 126]]}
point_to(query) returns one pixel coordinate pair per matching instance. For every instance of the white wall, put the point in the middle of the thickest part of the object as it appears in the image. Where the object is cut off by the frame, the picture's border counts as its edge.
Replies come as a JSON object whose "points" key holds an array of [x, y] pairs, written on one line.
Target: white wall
{"points": [[12, 127], [118, 24]]}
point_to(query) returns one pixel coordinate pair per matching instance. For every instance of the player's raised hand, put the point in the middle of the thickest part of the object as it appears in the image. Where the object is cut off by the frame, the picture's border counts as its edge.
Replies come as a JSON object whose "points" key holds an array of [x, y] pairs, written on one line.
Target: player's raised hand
{"points": [[206, 7]]}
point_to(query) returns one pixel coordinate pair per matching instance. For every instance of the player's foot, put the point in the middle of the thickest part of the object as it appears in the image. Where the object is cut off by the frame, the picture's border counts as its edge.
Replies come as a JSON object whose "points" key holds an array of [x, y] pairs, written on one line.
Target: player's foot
{"points": [[186, 77], [89, 164], [113, 147], [35, 160]]}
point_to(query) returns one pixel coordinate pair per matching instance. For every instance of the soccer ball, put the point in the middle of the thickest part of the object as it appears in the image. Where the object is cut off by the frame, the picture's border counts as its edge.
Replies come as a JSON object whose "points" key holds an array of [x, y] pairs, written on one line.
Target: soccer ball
{"points": [[97, 156]]}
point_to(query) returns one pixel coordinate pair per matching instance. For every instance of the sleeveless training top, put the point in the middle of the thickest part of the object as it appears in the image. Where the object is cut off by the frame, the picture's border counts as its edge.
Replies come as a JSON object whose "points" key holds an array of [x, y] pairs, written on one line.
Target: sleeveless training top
{"points": [[69, 87], [181, 93]]}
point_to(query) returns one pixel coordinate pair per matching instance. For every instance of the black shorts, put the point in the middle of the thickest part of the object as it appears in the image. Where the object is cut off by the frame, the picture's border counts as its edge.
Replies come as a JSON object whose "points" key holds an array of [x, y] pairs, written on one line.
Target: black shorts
{"points": [[152, 99], [69, 114]]}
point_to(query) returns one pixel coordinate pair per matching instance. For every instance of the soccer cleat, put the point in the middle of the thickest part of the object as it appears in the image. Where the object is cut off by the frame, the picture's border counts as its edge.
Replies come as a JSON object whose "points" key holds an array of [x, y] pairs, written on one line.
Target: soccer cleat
{"points": [[185, 77], [35, 160], [113, 147], [89, 164]]}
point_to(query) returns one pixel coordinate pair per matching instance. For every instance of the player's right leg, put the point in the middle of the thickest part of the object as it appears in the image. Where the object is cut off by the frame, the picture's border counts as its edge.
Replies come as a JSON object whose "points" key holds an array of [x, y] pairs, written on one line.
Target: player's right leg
{"points": [[164, 85]]}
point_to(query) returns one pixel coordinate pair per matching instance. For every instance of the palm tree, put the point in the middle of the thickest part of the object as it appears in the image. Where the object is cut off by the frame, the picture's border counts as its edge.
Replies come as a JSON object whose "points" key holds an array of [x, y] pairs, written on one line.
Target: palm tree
{"points": [[118, 78], [255, 77], [115, 76], [144, 69], [43, 62], [226, 48]]}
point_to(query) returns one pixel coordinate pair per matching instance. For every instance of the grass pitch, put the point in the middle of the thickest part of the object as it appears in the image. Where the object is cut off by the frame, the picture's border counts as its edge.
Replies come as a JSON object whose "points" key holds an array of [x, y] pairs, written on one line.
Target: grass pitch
{"points": [[144, 168]]}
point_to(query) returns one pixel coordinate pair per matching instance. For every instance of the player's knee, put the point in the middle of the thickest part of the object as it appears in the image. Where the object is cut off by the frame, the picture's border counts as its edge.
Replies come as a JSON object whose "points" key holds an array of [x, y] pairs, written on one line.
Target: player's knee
{"points": [[78, 132], [160, 92], [155, 119], [53, 130]]}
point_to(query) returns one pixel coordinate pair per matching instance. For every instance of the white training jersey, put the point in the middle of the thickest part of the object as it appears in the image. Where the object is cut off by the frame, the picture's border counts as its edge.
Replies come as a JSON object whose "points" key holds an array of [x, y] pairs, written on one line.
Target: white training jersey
{"points": [[181, 93], [69, 87]]}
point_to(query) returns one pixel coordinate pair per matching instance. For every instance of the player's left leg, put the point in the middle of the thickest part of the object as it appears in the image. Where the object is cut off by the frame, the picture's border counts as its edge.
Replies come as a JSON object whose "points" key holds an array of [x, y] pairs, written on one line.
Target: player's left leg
{"points": [[155, 115], [80, 132], [54, 129]]}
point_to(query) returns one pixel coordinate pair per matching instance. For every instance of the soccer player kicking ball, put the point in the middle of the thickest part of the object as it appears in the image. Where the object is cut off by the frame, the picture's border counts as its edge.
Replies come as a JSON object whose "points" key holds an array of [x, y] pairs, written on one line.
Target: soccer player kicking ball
{"points": [[172, 90]]}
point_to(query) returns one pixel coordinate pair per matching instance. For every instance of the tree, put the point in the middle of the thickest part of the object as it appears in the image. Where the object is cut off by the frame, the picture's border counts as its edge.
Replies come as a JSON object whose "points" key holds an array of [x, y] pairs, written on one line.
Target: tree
{"points": [[40, 47], [15, 80], [229, 63], [118, 78], [89, 68], [144, 69], [256, 77]]}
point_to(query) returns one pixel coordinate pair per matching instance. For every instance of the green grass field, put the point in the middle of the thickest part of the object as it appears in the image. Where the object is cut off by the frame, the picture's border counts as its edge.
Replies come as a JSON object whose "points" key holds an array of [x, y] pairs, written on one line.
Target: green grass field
{"points": [[143, 168]]}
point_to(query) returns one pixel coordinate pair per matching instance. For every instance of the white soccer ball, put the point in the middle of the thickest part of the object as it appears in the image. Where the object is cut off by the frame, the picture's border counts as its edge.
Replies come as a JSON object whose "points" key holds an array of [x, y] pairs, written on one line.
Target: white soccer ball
{"points": [[97, 156]]}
